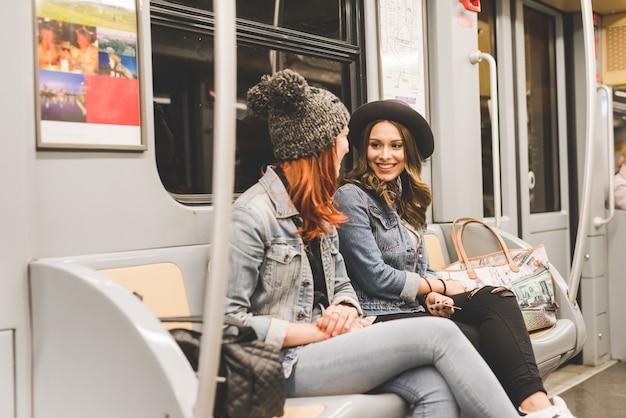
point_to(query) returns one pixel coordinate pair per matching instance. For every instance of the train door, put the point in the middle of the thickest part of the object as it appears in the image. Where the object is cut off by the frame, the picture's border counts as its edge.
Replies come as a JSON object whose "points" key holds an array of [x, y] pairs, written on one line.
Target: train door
{"points": [[527, 40], [616, 232], [540, 61], [537, 62]]}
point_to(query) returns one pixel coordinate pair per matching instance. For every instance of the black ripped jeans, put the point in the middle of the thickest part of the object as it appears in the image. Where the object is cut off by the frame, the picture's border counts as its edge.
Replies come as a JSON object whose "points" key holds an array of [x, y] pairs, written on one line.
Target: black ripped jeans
{"points": [[491, 319], [503, 339]]}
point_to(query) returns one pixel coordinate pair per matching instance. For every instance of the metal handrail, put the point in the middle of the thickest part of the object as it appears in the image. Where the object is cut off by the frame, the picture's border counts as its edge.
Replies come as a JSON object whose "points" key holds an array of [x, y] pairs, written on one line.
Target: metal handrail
{"points": [[583, 218], [599, 221], [475, 57], [223, 188]]}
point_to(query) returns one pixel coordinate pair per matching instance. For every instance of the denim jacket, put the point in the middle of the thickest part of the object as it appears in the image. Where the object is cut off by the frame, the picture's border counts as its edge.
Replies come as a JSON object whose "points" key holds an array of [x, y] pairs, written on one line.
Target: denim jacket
{"points": [[383, 263], [270, 282]]}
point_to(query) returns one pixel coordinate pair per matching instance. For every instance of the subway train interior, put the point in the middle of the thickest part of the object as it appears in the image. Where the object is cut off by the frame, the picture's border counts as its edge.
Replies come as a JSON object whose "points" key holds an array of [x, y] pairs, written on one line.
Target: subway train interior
{"points": [[126, 137]]}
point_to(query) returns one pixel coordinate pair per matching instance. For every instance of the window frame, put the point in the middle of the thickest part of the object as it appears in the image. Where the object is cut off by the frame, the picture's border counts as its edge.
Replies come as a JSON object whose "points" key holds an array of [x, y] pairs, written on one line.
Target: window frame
{"points": [[176, 16]]}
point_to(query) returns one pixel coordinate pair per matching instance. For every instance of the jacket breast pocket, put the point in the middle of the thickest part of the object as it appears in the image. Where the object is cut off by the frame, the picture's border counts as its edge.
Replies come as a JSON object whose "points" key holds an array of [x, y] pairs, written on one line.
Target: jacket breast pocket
{"points": [[385, 229], [283, 261]]}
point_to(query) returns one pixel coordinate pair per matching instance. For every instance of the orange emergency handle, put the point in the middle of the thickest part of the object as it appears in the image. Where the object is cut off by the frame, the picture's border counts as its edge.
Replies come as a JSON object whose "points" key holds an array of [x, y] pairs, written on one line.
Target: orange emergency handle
{"points": [[471, 5]]}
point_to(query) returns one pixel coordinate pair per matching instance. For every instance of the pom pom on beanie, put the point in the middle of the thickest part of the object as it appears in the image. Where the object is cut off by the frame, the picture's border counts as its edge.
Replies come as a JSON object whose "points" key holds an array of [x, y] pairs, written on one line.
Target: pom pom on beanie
{"points": [[302, 120]]}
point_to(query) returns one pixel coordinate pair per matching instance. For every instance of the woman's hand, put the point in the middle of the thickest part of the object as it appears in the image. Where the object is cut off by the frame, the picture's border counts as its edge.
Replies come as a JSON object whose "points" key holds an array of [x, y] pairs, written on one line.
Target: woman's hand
{"points": [[299, 334], [439, 305], [338, 319], [360, 323], [454, 287]]}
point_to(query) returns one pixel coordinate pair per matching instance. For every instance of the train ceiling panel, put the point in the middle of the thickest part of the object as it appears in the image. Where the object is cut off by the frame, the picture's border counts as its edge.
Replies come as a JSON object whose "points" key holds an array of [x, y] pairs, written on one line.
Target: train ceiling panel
{"points": [[613, 43], [603, 7]]}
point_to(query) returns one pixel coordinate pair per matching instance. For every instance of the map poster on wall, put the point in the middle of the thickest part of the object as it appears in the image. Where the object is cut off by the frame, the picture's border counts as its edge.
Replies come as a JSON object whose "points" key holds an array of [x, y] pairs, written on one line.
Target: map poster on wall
{"points": [[87, 84], [401, 43]]}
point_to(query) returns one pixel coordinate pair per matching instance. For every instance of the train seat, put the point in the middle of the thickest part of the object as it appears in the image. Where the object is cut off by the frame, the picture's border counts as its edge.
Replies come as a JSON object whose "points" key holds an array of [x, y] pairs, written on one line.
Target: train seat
{"points": [[97, 350], [159, 286], [379, 405], [553, 346], [95, 317], [97, 337]]}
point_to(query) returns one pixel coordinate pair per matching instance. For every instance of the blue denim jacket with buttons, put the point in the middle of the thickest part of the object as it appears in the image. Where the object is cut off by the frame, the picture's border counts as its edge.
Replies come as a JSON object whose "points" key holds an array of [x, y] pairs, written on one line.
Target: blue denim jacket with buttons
{"points": [[270, 281], [382, 260]]}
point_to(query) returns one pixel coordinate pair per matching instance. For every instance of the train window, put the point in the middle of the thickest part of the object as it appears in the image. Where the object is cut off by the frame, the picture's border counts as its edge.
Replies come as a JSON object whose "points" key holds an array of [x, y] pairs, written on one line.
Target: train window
{"points": [[543, 145], [317, 17], [183, 85]]}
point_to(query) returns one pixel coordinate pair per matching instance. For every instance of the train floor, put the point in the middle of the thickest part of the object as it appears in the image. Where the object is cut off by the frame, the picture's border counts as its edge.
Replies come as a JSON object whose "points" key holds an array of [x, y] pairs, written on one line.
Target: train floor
{"points": [[591, 392]]}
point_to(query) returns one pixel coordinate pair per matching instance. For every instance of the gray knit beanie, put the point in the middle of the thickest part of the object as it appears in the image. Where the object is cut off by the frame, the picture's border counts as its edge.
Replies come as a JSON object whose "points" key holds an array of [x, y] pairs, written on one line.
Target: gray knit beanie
{"points": [[302, 119]]}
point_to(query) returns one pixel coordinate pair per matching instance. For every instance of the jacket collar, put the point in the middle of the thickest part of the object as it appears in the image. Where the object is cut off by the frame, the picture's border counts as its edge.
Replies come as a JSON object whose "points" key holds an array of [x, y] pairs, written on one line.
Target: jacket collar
{"points": [[277, 193]]}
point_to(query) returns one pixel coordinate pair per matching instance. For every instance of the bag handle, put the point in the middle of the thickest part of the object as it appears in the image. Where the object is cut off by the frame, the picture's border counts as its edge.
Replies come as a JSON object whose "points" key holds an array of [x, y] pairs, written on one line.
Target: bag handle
{"points": [[457, 240], [186, 318], [244, 332], [228, 320]]}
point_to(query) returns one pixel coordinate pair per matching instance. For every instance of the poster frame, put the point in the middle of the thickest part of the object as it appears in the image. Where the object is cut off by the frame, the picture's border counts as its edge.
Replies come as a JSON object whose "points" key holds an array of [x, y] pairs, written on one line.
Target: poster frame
{"points": [[78, 105]]}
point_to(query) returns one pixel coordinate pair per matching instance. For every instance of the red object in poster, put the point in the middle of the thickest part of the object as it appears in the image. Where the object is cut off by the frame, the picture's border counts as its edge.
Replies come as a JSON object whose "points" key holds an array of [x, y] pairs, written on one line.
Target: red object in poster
{"points": [[471, 5], [112, 101]]}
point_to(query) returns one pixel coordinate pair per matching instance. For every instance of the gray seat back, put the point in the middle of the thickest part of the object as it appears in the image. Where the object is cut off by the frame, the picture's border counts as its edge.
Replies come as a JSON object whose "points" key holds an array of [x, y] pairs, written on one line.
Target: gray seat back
{"points": [[553, 346]]}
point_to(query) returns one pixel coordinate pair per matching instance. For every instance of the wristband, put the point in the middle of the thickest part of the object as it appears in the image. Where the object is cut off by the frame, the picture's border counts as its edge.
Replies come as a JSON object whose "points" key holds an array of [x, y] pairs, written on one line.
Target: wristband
{"points": [[430, 288], [444, 286]]}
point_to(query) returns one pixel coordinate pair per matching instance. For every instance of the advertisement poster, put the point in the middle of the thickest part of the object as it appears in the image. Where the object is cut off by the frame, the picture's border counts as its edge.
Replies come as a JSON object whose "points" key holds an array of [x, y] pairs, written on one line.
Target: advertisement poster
{"points": [[87, 74]]}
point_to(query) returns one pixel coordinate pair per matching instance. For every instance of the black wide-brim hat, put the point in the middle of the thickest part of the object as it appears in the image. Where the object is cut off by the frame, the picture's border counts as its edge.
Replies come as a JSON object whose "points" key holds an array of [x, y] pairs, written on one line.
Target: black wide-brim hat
{"points": [[397, 111]]}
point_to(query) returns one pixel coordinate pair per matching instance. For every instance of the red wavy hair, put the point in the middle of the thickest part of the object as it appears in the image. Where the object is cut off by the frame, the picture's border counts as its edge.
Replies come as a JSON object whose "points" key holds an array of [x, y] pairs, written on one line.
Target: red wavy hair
{"points": [[312, 183]]}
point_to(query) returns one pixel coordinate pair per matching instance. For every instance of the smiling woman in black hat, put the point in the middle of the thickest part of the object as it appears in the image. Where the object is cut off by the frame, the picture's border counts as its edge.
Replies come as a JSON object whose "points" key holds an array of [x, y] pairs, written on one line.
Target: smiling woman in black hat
{"points": [[386, 201]]}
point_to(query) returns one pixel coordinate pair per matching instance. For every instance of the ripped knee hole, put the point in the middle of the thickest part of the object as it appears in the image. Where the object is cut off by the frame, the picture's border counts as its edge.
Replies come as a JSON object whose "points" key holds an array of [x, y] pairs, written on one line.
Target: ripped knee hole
{"points": [[501, 290]]}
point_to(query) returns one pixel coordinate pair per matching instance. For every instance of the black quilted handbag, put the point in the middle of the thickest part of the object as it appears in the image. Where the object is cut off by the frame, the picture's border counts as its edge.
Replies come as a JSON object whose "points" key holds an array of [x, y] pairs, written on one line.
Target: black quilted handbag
{"points": [[254, 384]]}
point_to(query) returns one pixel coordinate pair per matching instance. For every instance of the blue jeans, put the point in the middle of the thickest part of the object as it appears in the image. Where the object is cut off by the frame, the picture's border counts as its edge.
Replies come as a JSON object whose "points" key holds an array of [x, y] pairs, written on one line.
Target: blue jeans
{"points": [[427, 361]]}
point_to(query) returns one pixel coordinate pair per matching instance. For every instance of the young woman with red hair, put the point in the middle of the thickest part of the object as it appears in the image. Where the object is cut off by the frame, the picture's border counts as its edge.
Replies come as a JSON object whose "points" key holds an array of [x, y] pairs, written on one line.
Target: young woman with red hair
{"points": [[289, 283]]}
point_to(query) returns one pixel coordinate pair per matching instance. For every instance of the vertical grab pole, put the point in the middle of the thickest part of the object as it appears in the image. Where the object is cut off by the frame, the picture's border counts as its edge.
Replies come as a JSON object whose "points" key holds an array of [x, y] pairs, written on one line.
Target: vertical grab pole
{"points": [[225, 60], [610, 139], [583, 219], [475, 57]]}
